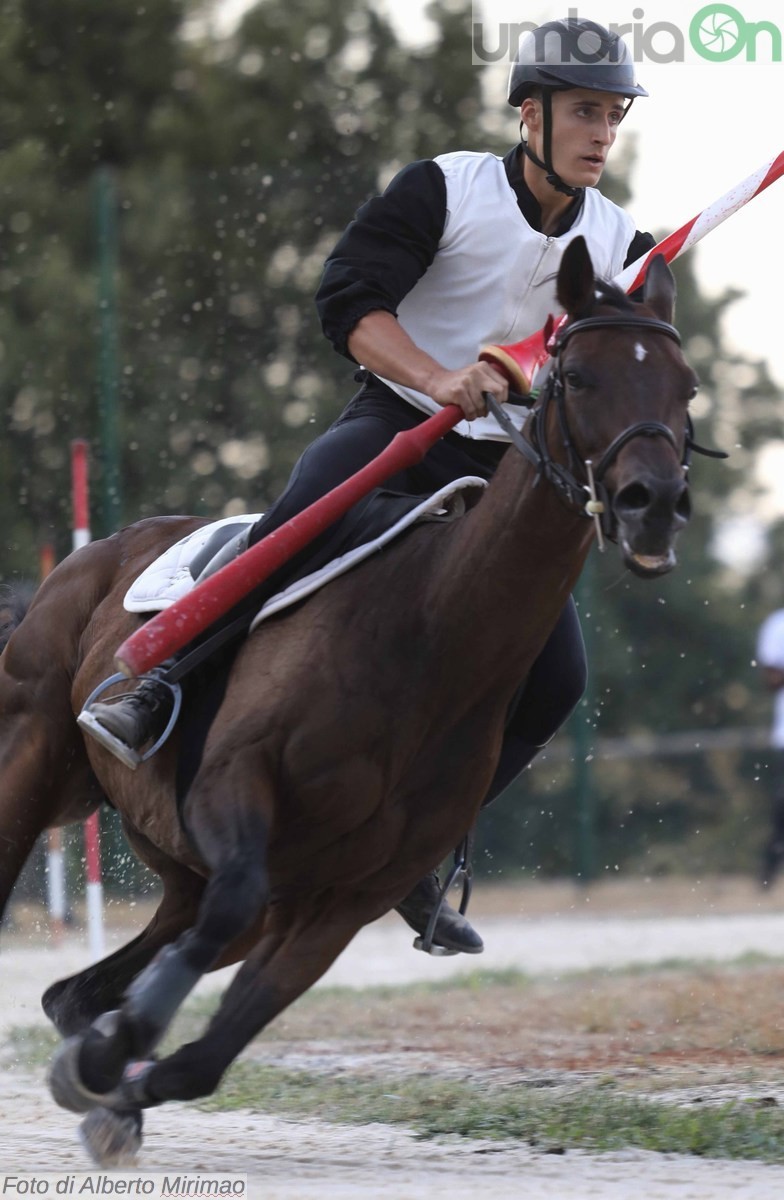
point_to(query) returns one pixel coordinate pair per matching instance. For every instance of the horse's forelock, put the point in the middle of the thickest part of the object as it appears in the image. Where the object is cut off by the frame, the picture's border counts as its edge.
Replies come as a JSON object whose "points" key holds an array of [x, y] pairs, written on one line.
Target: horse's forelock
{"points": [[608, 293]]}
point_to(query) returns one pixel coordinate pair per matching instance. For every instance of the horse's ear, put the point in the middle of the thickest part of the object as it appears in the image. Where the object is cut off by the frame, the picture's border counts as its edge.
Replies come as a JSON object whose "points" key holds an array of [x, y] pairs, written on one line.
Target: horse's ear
{"points": [[659, 290], [576, 284]]}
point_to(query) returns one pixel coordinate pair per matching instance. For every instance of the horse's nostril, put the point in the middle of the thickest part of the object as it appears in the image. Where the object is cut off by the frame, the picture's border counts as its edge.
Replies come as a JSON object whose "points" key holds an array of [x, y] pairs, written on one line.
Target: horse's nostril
{"points": [[641, 501], [683, 507], [633, 497]]}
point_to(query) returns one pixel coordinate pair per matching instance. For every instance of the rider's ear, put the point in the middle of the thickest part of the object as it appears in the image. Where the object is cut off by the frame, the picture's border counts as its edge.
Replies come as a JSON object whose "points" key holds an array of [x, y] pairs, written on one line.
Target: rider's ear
{"points": [[575, 288], [659, 290], [530, 113]]}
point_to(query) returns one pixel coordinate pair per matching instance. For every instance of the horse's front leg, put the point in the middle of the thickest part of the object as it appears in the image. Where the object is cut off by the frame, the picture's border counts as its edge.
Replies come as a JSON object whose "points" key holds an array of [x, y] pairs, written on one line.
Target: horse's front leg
{"points": [[296, 951], [303, 941], [73, 1004], [231, 834]]}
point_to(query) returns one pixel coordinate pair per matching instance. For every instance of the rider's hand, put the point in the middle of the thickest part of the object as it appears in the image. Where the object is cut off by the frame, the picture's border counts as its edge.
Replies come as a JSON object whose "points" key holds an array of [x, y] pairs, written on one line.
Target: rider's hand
{"points": [[464, 388]]}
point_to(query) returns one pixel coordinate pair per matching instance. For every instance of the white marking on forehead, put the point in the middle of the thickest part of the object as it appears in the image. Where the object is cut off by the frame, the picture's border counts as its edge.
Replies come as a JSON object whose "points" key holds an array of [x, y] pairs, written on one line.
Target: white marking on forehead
{"points": [[640, 353]]}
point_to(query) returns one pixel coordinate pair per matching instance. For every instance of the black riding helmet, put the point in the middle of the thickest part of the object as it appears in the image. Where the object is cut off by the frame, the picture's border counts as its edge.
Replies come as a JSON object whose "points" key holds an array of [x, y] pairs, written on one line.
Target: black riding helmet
{"points": [[569, 53]]}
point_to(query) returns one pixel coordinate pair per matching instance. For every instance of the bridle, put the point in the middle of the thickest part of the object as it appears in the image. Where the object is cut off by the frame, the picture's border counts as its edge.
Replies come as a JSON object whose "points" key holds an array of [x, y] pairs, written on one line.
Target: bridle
{"points": [[582, 476]]}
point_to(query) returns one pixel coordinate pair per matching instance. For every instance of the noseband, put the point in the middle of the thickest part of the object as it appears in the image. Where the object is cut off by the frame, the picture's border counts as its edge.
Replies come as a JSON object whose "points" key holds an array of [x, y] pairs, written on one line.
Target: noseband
{"points": [[590, 479]]}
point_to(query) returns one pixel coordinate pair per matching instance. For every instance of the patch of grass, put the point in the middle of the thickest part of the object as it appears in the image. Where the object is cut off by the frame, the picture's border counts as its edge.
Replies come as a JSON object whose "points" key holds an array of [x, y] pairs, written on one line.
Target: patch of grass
{"points": [[560, 1063], [29, 1046], [327, 997], [591, 1118], [747, 960]]}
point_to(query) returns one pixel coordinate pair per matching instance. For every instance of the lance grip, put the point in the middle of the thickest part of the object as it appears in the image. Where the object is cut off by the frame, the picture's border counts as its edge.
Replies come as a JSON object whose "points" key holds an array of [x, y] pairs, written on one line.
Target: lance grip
{"points": [[518, 362]]}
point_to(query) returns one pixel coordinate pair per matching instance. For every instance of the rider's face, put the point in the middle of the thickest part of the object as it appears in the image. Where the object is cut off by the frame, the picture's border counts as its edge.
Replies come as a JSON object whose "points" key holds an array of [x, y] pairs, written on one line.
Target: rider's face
{"points": [[585, 125]]}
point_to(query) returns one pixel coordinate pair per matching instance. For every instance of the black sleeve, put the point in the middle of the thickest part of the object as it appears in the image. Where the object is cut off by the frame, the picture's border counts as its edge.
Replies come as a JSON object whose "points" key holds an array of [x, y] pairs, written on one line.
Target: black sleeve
{"points": [[384, 251], [640, 244]]}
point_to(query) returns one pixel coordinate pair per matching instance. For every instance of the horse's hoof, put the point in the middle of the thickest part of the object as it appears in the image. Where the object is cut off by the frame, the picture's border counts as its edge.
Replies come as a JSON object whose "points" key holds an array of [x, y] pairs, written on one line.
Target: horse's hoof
{"points": [[65, 1082], [112, 1139]]}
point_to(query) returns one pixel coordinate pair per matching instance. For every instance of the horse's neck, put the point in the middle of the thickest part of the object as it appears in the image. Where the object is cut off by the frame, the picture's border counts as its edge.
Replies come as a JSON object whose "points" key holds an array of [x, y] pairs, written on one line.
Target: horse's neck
{"points": [[514, 559]]}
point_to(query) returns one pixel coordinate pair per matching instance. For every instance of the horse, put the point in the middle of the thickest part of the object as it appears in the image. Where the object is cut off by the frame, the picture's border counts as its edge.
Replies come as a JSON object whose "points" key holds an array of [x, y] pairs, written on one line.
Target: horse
{"points": [[358, 731]]}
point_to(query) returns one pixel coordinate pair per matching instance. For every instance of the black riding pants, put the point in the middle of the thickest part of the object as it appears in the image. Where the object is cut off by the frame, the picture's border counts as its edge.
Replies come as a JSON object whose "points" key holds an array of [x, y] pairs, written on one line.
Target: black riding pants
{"points": [[366, 426]]}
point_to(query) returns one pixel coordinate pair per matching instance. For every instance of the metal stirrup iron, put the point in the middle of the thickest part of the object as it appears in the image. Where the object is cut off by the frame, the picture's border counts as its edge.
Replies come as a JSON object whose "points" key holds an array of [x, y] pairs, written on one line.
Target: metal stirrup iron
{"points": [[126, 754], [462, 868]]}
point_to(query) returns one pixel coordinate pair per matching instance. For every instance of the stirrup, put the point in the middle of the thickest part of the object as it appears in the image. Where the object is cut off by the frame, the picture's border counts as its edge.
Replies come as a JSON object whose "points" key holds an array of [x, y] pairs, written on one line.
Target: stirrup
{"points": [[126, 754], [462, 867]]}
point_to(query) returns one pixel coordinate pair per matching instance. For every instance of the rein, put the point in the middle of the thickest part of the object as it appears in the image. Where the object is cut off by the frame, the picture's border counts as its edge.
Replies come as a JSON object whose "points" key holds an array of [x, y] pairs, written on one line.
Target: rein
{"points": [[573, 490]]}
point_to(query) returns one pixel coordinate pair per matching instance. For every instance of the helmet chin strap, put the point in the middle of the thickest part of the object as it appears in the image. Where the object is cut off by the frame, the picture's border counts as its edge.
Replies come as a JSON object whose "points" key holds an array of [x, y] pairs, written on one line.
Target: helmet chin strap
{"points": [[551, 176], [554, 180]]}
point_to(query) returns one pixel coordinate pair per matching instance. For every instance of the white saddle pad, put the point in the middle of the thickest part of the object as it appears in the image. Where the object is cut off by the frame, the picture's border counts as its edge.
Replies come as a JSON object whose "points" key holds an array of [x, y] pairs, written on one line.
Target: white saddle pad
{"points": [[168, 578]]}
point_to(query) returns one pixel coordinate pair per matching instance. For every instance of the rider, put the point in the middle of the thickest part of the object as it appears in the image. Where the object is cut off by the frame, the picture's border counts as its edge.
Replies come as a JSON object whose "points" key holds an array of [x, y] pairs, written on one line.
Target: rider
{"points": [[460, 251]]}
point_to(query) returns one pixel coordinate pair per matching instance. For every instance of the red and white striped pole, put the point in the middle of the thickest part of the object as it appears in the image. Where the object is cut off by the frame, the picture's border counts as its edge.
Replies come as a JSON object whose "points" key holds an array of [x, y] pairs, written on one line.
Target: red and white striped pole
{"points": [[80, 495], [56, 899], [80, 503]]}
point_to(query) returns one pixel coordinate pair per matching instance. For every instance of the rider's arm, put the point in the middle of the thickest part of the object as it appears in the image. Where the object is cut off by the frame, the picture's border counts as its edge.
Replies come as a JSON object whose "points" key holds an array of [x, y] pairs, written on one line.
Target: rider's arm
{"points": [[640, 244], [384, 251], [384, 347]]}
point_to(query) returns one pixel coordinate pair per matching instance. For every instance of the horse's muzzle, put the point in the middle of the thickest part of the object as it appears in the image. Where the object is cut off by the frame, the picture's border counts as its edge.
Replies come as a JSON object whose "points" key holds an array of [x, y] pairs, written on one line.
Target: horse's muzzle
{"points": [[650, 513]]}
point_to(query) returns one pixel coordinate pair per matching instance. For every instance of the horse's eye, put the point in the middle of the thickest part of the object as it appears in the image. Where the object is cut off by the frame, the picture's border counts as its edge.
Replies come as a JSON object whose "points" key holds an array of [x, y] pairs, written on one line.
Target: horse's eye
{"points": [[693, 392], [574, 379]]}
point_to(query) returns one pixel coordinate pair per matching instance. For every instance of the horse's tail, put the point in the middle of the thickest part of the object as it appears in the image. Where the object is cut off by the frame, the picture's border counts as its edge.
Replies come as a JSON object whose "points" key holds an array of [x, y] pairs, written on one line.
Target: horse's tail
{"points": [[14, 602]]}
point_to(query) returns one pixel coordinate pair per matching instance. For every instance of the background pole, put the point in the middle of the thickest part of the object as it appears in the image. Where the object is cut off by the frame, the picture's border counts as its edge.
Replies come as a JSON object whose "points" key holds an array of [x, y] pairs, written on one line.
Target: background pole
{"points": [[106, 214], [92, 840], [55, 859]]}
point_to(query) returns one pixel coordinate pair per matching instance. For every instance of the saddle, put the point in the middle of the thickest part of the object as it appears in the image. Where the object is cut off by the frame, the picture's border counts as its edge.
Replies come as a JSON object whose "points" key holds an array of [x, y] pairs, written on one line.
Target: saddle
{"points": [[373, 523]]}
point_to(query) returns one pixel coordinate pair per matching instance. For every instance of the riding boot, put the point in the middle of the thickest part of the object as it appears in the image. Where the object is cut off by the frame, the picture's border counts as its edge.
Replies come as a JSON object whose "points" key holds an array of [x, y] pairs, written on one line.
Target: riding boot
{"points": [[139, 717], [452, 930], [142, 716]]}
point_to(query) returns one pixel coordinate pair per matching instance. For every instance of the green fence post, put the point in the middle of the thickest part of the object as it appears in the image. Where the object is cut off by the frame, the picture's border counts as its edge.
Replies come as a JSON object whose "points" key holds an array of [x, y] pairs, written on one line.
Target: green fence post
{"points": [[106, 228]]}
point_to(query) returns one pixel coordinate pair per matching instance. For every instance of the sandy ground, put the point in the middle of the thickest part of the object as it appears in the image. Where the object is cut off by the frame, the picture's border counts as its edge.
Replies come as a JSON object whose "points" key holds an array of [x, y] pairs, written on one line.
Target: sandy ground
{"points": [[543, 931]]}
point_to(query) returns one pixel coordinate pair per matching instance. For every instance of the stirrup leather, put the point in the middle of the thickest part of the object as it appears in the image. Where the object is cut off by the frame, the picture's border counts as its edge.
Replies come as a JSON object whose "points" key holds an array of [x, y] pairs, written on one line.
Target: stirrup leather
{"points": [[463, 868], [126, 754]]}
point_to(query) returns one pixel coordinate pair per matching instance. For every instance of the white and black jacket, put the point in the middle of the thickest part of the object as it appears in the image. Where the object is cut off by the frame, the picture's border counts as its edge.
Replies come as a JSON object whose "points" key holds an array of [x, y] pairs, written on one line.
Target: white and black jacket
{"points": [[453, 248]]}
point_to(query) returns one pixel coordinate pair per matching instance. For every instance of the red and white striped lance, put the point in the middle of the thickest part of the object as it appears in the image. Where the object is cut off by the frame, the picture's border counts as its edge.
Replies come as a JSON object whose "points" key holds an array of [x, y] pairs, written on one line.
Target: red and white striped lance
{"points": [[520, 361], [175, 627], [691, 233]]}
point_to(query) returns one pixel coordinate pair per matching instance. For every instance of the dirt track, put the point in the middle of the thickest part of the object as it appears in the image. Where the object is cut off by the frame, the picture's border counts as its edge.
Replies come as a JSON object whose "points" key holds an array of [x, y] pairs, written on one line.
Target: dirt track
{"points": [[561, 930]]}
